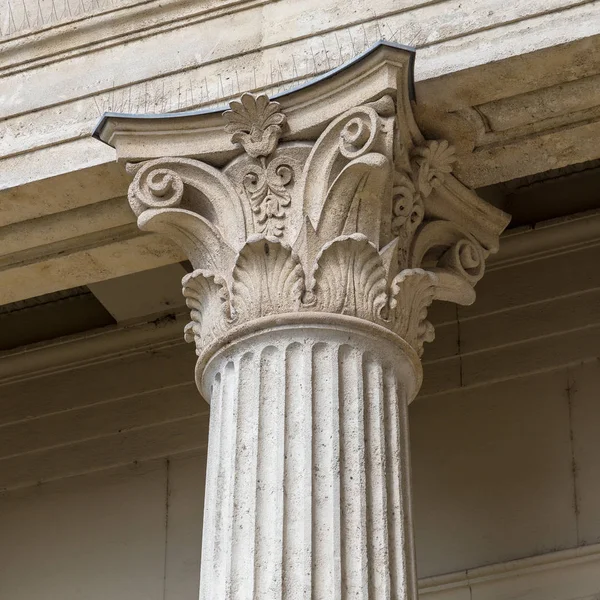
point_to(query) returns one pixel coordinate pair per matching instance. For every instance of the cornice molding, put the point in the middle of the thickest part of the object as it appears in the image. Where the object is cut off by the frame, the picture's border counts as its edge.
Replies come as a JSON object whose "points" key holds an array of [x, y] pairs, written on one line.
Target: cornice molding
{"points": [[445, 90], [67, 39], [141, 19], [27, 30]]}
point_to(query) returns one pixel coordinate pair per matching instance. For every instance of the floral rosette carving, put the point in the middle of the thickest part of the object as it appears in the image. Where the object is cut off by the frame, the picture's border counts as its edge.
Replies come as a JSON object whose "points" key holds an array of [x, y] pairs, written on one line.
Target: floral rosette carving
{"points": [[345, 224]]}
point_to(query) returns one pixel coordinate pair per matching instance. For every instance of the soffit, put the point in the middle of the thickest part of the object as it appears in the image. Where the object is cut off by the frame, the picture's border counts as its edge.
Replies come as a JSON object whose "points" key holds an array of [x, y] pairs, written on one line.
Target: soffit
{"points": [[554, 194]]}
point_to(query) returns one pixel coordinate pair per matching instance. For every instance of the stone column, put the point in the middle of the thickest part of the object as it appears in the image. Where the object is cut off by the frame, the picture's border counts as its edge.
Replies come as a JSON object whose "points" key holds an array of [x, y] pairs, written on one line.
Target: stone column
{"points": [[315, 260], [307, 491]]}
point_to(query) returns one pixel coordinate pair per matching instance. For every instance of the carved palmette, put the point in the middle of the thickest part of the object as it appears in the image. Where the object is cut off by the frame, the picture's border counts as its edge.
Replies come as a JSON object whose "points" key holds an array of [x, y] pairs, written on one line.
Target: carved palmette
{"points": [[350, 223]]}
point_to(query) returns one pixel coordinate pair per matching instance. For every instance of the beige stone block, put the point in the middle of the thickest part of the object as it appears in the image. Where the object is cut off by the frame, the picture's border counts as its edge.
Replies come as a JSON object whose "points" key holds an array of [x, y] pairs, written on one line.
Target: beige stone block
{"points": [[528, 322], [445, 344], [440, 376], [530, 356], [109, 418], [131, 373], [95, 454], [536, 281]]}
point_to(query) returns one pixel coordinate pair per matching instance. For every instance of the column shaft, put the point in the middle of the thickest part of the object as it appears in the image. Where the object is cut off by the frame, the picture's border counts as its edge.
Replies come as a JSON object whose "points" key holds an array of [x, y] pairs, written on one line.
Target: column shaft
{"points": [[307, 491]]}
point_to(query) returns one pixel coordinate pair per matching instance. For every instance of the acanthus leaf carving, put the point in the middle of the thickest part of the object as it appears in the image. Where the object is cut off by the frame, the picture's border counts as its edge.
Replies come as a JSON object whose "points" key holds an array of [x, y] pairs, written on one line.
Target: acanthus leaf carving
{"points": [[353, 203], [346, 178], [267, 279], [350, 278], [412, 292], [193, 203], [389, 259], [340, 224], [208, 299]]}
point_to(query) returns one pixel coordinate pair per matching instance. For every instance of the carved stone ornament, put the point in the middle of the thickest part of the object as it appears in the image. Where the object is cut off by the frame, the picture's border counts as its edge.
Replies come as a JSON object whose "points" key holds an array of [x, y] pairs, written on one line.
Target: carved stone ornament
{"points": [[320, 228], [337, 207], [344, 224]]}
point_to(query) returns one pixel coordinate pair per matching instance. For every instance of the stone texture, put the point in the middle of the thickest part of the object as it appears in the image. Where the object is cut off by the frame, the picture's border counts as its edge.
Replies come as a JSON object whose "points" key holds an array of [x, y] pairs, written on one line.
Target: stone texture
{"points": [[320, 232], [165, 365], [548, 90], [254, 43], [342, 224], [502, 124], [307, 484]]}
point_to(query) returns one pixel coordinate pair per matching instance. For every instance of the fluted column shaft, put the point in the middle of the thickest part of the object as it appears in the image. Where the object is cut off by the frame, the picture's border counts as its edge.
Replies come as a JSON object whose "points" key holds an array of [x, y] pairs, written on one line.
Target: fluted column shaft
{"points": [[307, 493]]}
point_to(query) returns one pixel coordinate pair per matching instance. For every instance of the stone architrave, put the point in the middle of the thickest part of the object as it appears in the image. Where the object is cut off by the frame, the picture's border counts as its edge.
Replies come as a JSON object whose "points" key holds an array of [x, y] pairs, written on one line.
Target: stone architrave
{"points": [[319, 236]]}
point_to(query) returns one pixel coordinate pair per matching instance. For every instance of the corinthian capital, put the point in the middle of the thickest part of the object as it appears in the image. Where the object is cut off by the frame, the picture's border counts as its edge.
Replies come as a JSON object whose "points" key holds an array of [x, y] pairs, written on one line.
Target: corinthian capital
{"points": [[336, 204]]}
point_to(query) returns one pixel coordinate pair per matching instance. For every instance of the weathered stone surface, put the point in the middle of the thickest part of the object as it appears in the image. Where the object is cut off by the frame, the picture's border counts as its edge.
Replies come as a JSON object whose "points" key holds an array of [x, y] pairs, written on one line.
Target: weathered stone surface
{"points": [[320, 230], [308, 468], [73, 63], [315, 266], [512, 87], [343, 224]]}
